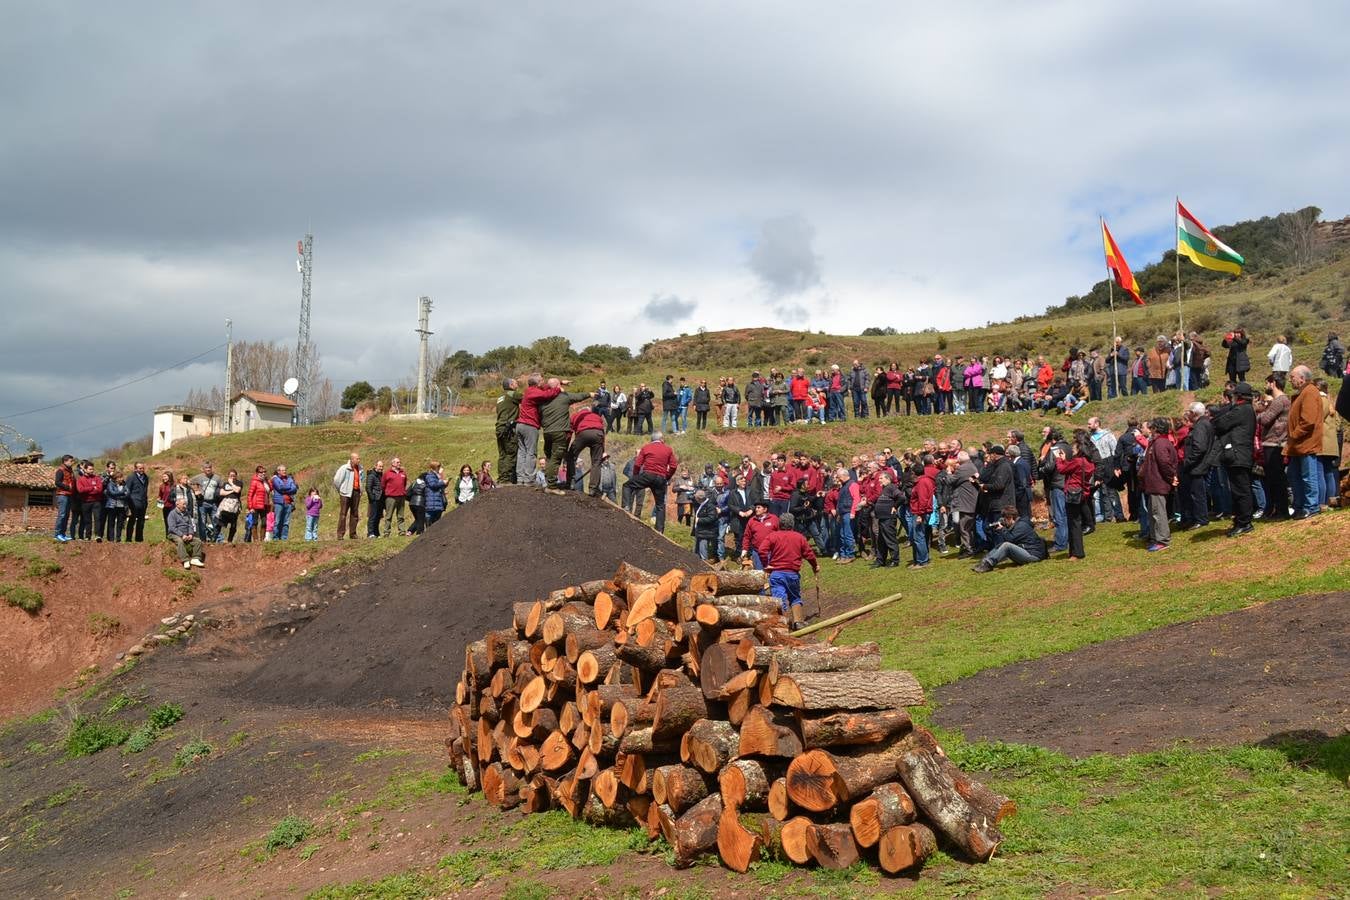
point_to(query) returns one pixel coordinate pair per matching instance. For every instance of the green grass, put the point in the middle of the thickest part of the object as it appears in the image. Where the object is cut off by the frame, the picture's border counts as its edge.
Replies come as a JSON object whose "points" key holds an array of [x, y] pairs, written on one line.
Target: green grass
{"points": [[164, 716], [288, 832], [22, 596], [191, 752], [88, 736], [64, 796], [42, 568], [102, 625]]}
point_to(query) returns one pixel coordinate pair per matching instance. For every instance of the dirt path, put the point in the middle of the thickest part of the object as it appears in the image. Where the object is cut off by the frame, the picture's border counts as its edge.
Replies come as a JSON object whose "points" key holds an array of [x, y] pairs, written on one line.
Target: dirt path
{"points": [[1243, 677]]}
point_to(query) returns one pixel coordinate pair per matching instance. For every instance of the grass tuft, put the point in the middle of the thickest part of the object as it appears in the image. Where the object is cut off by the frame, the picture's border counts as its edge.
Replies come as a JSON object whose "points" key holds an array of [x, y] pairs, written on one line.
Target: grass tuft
{"points": [[22, 596], [287, 833], [88, 736]]}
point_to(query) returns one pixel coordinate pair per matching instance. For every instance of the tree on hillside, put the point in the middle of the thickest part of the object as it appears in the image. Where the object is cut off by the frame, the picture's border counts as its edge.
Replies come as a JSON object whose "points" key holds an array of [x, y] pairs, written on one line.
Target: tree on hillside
{"points": [[876, 331], [606, 356], [355, 393], [1299, 238], [455, 369]]}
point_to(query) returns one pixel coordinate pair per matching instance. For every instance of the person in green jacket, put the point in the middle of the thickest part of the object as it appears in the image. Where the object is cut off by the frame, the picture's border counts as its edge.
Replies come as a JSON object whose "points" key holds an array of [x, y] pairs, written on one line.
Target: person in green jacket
{"points": [[508, 410], [555, 421]]}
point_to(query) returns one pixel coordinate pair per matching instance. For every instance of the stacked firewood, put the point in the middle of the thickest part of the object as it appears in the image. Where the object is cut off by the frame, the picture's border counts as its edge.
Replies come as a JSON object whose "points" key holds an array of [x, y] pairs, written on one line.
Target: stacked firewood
{"points": [[683, 704]]}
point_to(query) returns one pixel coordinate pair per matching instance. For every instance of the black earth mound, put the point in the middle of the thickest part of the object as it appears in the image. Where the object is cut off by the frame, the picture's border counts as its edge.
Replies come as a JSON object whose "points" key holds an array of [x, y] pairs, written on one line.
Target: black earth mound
{"points": [[398, 638]]}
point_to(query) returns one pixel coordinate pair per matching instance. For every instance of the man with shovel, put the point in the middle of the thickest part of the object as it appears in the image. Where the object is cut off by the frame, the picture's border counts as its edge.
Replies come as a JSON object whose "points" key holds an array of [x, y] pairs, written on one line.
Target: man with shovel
{"points": [[787, 548]]}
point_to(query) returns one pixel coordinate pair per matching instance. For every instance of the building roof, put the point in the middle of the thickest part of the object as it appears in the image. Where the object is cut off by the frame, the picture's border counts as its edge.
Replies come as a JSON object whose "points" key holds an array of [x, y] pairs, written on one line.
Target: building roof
{"points": [[27, 475], [262, 398], [190, 410]]}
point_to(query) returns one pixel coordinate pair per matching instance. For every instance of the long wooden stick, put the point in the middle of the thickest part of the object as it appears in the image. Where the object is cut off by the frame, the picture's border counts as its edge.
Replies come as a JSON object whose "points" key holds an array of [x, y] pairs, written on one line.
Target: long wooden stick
{"points": [[845, 616]]}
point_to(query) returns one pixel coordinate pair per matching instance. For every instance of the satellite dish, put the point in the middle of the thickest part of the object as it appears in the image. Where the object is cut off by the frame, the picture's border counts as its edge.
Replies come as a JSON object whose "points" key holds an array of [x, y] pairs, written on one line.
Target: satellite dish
{"points": [[290, 387]]}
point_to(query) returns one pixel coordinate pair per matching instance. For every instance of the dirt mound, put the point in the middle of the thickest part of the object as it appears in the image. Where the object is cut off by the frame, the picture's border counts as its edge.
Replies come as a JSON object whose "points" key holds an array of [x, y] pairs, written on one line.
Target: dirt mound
{"points": [[398, 638], [1237, 678]]}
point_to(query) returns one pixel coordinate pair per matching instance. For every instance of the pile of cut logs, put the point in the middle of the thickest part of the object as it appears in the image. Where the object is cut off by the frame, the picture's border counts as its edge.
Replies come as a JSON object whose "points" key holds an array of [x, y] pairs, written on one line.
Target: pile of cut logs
{"points": [[682, 704]]}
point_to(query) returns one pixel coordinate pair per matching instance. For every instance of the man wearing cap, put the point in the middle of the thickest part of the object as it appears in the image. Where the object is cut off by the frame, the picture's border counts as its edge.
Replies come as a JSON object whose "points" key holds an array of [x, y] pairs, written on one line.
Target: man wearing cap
{"points": [[1234, 434], [1015, 538], [786, 549], [754, 541]]}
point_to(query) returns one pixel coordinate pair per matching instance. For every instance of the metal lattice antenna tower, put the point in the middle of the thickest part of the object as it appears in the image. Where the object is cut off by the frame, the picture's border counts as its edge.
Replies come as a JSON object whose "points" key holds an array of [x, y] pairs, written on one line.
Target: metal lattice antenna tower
{"points": [[302, 348], [423, 329]]}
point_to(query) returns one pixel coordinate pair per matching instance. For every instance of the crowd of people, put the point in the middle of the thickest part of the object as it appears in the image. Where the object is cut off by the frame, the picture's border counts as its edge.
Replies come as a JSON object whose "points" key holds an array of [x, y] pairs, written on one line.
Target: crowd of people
{"points": [[935, 385]]}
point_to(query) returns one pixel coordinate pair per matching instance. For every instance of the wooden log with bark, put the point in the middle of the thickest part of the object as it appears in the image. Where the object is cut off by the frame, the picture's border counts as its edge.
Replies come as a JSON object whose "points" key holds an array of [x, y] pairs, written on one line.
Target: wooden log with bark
{"points": [[834, 691]]}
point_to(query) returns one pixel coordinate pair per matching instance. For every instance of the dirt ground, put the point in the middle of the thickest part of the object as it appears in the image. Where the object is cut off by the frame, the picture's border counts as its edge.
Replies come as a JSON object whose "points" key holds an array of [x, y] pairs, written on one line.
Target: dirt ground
{"points": [[1243, 677]]}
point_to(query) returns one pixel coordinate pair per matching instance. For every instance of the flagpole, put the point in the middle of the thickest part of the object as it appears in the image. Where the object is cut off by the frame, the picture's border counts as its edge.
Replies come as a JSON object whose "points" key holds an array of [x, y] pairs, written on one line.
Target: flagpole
{"points": [[1110, 287], [1180, 325]]}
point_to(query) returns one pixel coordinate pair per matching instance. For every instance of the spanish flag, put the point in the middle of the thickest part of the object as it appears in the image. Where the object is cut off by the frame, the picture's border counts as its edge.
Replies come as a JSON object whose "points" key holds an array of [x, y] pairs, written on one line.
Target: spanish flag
{"points": [[1119, 268], [1198, 244]]}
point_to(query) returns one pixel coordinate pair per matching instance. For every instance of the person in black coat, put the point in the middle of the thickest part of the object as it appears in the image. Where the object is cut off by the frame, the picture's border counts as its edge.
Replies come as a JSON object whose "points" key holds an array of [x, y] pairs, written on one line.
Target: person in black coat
{"points": [[1234, 436], [997, 483], [886, 510], [1238, 362], [705, 521], [740, 507], [138, 499], [1195, 468]]}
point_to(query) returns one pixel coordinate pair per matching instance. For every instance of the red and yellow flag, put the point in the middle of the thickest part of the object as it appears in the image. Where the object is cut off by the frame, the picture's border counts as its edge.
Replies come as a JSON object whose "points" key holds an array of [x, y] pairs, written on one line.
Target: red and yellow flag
{"points": [[1119, 268]]}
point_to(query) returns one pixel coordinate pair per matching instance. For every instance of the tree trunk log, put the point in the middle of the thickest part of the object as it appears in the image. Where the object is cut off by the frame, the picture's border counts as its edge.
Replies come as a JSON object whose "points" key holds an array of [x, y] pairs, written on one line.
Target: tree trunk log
{"points": [[556, 753], [737, 845], [993, 806], [629, 713], [744, 784], [744, 581], [832, 846], [819, 781], [640, 740], [594, 812], [711, 744], [679, 787], [570, 619], [768, 733], [711, 614], [816, 658], [477, 663], [695, 832], [677, 709], [717, 666], [905, 846], [601, 700], [853, 728], [928, 782], [578, 642], [844, 690], [794, 836], [779, 805], [594, 664], [888, 806], [607, 609]]}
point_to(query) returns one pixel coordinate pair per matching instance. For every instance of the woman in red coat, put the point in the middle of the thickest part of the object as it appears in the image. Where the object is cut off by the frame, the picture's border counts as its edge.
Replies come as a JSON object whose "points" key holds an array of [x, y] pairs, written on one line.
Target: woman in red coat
{"points": [[258, 500], [1078, 471]]}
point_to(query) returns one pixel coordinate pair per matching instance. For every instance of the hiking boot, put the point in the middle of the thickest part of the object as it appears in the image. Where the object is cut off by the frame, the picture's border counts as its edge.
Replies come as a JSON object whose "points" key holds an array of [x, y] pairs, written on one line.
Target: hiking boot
{"points": [[981, 567]]}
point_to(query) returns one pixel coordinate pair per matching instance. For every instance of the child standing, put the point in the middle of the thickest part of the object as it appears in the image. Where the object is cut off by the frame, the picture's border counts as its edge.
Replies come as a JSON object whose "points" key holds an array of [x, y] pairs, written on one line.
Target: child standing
{"points": [[313, 503]]}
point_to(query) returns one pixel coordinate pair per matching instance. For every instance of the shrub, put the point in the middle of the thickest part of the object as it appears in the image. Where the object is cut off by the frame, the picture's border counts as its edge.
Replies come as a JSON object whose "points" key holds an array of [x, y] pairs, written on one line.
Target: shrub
{"points": [[190, 752], [164, 716], [88, 736], [287, 833], [102, 625], [41, 568], [22, 596]]}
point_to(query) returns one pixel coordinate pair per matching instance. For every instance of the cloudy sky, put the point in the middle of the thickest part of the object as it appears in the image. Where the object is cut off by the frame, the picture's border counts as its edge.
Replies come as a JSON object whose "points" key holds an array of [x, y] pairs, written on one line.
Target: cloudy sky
{"points": [[608, 172]]}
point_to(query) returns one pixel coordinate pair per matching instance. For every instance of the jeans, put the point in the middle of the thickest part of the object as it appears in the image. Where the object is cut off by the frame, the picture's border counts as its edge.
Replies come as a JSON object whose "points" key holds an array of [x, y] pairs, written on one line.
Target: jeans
{"points": [[1305, 477], [206, 520], [682, 419], [281, 528], [859, 403], [527, 438], [846, 546], [705, 548], [835, 410], [1108, 504], [668, 420], [918, 538], [62, 514], [1060, 517], [375, 510], [1009, 550], [1218, 490], [1330, 485], [311, 528]]}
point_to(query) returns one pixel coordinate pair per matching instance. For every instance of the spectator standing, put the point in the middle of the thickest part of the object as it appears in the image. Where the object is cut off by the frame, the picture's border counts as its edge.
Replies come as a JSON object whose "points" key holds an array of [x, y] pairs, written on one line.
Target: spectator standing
{"points": [[67, 498], [644, 401], [257, 502], [1158, 473], [1331, 449], [858, 384], [230, 507], [375, 493], [608, 479], [1238, 363], [731, 403], [1159, 363], [165, 502], [283, 502], [704, 528], [684, 397], [702, 403], [1195, 464], [433, 493], [508, 412], [90, 491], [1197, 356], [555, 422], [347, 481], [1272, 417], [1305, 443], [206, 485], [395, 490], [1281, 357], [313, 504], [138, 501], [1078, 469], [1333, 356], [1118, 369], [114, 507], [417, 503], [670, 403], [618, 410], [528, 424], [466, 487], [1234, 439]]}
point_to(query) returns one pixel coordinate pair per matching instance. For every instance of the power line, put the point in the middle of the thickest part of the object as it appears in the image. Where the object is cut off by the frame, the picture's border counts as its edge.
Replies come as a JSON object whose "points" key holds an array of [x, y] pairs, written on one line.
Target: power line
{"points": [[116, 387], [98, 426]]}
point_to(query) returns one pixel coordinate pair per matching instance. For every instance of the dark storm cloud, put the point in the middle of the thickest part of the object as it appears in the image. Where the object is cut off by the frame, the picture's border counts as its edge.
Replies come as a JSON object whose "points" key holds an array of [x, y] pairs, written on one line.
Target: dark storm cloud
{"points": [[668, 309], [534, 166]]}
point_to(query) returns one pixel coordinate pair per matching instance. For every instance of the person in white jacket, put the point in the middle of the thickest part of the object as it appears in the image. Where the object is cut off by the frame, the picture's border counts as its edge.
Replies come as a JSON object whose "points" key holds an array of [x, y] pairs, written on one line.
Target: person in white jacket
{"points": [[1281, 357]]}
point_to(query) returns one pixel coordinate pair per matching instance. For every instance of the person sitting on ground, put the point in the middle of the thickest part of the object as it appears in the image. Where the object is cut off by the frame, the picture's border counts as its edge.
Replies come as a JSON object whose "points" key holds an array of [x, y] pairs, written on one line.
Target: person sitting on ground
{"points": [[182, 527], [1016, 539], [786, 549]]}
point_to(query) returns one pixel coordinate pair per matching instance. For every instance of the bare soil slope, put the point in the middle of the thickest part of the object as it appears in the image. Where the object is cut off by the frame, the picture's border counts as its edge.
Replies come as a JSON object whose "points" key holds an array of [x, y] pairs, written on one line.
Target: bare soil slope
{"points": [[1257, 673]]}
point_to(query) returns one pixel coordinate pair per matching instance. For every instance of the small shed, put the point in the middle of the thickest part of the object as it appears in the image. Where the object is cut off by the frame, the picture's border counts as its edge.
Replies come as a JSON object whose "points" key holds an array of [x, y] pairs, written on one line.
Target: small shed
{"points": [[173, 423], [27, 496], [251, 410]]}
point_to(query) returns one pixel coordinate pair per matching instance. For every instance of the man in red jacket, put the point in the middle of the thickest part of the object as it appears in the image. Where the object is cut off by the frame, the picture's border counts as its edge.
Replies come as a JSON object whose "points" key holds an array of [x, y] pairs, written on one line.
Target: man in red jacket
{"points": [[781, 484], [395, 484], [921, 507], [588, 433], [537, 393], [754, 540], [65, 497], [652, 468], [786, 549]]}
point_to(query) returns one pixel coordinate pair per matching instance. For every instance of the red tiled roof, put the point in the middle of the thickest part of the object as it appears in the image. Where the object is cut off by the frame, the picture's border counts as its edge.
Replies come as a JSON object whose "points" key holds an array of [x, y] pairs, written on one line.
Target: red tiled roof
{"points": [[28, 475], [264, 399]]}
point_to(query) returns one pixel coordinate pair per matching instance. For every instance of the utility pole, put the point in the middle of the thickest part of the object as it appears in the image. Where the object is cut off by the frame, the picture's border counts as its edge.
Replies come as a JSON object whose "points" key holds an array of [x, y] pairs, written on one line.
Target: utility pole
{"points": [[302, 347], [423, 328], [229, 373]]}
